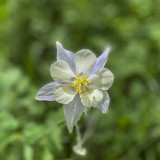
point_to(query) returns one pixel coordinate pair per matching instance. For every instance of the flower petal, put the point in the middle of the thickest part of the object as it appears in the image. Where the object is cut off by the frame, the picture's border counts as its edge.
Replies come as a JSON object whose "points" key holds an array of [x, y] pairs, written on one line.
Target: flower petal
{"points": [[46, 92], [61, 72], [101, 60], [84, 61], [105, 103], [92, 98], [102, 79], [73, 112], [64, 93], [65, 55]]}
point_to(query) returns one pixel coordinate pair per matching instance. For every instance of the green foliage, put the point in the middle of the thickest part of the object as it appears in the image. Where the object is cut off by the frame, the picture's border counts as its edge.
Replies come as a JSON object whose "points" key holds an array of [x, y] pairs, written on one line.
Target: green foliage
{"points": [[32, 130]]}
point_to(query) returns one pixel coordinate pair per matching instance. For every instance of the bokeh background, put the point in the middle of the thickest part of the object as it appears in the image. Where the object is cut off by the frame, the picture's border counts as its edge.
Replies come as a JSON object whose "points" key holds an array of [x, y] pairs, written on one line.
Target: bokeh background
{"points": [[29, 29]]}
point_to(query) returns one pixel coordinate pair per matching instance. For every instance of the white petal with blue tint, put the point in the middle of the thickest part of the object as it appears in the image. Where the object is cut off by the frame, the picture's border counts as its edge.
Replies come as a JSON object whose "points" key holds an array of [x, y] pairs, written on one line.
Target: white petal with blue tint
{"points": [[46, 92], [103, 106], [102, 79], [64, 93], [73, 112], [92, 98], [65, 55], [101, 61], [61, 72], [84, 61]]}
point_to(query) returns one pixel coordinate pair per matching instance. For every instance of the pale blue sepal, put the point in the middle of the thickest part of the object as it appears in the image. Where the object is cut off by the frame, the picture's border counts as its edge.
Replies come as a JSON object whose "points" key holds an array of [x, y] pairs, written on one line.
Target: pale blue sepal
{"points": [[46, 92], [100, 61], [73, 112], [103, 106], [65, 55]]}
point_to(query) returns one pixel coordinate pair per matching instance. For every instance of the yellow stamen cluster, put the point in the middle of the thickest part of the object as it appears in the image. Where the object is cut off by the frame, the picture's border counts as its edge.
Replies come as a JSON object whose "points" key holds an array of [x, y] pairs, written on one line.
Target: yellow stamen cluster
{"points": [[81, 83]]}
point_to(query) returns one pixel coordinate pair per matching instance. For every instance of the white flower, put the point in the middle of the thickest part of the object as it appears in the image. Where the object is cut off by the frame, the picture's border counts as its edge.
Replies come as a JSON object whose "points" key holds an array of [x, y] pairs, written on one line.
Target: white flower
{"points": [[80, 81]]}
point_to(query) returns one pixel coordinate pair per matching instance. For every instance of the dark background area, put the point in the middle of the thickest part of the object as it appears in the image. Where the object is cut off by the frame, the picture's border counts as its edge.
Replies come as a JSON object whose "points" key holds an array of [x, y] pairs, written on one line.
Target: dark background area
{"points": [[29, 29]]}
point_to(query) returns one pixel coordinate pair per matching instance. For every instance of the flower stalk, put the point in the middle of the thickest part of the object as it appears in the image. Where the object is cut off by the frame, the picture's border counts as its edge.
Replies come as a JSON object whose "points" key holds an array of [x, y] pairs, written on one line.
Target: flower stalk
{"points": [[78, 148]]}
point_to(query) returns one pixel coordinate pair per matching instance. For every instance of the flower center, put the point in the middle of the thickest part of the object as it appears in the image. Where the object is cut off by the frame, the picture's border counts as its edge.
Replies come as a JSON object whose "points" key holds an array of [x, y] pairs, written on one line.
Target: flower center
{"points": [[81, 83]]}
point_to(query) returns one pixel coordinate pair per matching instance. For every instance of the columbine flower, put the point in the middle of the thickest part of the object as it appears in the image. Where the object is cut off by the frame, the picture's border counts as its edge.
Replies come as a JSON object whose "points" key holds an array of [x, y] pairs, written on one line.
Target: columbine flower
{"points": [[80, 81]]}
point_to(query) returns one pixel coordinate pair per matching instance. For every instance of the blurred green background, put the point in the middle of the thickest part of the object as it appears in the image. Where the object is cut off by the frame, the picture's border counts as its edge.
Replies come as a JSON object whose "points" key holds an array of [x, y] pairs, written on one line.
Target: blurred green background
{"points": [[31, 130]]}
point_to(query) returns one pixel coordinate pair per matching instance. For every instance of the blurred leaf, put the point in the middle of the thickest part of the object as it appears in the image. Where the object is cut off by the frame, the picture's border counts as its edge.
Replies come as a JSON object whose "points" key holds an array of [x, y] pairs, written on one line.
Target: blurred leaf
{"points": [[28, 152]]}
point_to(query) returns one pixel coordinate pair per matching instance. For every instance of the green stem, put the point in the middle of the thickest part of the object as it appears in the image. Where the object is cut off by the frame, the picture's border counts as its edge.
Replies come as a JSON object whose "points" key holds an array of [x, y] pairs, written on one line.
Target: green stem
{"points": [[79, 143]]}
